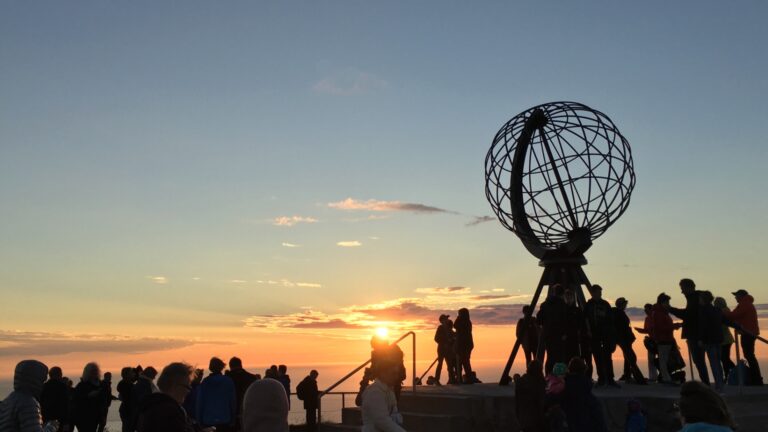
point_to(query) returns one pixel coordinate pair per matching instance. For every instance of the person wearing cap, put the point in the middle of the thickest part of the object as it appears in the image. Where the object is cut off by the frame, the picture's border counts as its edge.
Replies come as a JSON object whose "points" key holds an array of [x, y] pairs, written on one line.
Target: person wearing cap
{"points": [[745, 316], [444, 339], [601, 324], [624, 339], [690, 316]]}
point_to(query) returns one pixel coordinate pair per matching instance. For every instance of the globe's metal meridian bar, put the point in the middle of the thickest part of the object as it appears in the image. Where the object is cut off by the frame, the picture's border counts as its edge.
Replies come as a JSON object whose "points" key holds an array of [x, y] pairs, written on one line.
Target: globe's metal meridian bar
{"points": [[559, 179]]}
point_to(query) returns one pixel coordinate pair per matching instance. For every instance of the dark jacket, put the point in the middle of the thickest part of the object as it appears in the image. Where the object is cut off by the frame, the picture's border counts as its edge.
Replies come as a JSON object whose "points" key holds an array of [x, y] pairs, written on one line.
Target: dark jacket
{"points": [[600, 318], [216, 401], [141, 390], [89, 403], [582, 409], [711, 325], [444, 338], [160, 413], [552, 317], [690, 316], [464, 341], [624, 333], [125, 394], [575, 329], [309, 392], [529, 402], [528, 333], [242, 379], [54, 401]]}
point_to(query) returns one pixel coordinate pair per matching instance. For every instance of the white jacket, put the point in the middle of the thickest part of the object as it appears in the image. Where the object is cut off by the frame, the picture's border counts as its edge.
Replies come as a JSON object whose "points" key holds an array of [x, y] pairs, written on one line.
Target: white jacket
{"points": [[380, 409]]}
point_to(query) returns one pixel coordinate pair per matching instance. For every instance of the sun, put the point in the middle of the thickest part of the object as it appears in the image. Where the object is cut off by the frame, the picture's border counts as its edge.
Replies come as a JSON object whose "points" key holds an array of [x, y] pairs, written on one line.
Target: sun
{"points": [[382, 332]]}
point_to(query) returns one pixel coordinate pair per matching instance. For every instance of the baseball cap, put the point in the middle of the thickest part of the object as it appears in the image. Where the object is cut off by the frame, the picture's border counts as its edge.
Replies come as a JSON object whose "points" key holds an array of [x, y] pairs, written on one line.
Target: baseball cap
{"points": [[740, 293]]}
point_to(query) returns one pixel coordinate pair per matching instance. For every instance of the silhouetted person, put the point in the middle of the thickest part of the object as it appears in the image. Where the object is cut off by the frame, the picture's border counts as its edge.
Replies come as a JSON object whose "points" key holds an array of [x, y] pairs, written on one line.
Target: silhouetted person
{"points": [[663, 335], [242, 379], [553, 319], [650, 344], [702, 409], [379, 349], [285, 380], [216, 399], [190, 402], [745, 316], [575, 326], [125, 394], [582, 409], [624, 339], [529, 399], [444, 338], [265, 407], [307, 391], [690, 316], [725, 346], [162, 411], [106, 387], [711, 335], [54, 399], [89, 400], [528, 334], [602, 327], [271, 372], [144, 387], [20, 411], [464, 345]]}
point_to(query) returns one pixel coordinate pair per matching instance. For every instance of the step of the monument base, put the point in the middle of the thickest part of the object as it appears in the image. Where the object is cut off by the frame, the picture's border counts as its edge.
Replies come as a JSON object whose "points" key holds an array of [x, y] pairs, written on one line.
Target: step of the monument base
{"points": [[337, 427], [415, 422], [439, 404]]}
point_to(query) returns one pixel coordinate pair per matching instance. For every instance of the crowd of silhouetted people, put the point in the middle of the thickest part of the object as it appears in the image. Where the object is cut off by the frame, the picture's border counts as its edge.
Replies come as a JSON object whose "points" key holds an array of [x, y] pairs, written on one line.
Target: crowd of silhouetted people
{"points": [[179, 399], [561, 342]]}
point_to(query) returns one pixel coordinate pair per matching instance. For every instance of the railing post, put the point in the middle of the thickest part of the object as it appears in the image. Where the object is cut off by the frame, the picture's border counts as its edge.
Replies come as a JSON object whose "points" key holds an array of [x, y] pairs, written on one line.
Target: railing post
{"points": [[413, 365], [319, 409], [343, 400]]}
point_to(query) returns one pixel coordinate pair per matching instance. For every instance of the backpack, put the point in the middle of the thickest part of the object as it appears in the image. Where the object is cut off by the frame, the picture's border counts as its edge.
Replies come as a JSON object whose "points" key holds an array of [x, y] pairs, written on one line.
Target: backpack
{"points": [[301, 390]]}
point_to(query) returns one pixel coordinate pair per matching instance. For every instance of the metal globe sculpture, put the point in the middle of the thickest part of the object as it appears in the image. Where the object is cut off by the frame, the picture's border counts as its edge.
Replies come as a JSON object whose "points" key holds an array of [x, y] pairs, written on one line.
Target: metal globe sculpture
{"points": [[559, 175]]}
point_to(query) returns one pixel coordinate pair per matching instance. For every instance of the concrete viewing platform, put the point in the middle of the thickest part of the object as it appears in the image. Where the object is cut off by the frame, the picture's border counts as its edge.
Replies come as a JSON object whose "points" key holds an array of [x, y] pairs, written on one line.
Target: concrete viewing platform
{"points": [[490, 407]]}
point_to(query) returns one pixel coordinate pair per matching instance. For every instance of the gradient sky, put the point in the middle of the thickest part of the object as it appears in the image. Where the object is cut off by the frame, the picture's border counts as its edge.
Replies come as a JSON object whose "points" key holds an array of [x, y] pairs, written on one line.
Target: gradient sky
{"points": [[181, 176]]}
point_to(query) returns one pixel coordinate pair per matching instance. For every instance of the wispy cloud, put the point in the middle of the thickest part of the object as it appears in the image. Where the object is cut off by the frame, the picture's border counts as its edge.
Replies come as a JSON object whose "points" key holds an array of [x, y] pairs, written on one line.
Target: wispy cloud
{"points": [[349, 82], [290, 245], [443, 290], [477, 220], [349, 243], [162, 280], [288, 221], [238, 281], [288, 283], [15, 343], [385, 206]]}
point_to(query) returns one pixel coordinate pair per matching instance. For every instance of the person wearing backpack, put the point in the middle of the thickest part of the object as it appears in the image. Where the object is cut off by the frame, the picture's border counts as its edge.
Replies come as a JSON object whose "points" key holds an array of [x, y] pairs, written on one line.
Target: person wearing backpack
{"points": [[307, 392]]}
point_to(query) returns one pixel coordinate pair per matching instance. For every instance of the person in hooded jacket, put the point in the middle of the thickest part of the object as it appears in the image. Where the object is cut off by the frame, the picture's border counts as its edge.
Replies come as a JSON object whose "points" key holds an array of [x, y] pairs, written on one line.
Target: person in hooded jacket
{"points": [[265, 407], [89, 400], [745, 316], [20, 411]]}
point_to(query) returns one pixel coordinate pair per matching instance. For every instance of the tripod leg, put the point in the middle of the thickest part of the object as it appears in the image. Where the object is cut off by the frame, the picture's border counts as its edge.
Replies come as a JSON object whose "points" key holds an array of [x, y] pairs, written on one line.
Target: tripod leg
{"points": [[505, 375]]}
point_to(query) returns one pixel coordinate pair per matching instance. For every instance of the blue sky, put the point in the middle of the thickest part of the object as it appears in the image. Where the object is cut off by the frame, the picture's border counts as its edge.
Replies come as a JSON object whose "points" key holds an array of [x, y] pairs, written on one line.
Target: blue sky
{"points": [[146, 149]]}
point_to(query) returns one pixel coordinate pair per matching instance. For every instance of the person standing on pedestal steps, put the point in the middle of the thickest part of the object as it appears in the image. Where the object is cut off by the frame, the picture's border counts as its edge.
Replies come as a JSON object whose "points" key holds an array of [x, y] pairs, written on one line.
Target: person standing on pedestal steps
{"points": [[690, 316], [464, 345], [552, 318], [624, 339], [444, 339], [527, 332], [601, 324], [650, 344], [575, 327], [745, 315]]}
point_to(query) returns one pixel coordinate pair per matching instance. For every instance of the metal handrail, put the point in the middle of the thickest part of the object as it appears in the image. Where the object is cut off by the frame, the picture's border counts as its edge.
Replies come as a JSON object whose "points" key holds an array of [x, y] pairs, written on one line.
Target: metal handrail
{"points": [[366, 363], [429, 369]]}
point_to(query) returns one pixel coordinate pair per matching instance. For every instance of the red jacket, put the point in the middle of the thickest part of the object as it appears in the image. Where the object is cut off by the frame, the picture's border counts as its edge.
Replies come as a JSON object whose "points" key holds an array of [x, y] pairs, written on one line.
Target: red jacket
{"points": [[745, 314], [662, 325]]}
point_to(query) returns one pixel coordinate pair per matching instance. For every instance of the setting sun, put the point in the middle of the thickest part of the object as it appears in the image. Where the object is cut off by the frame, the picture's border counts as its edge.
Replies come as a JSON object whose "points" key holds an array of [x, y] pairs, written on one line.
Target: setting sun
{"points": [[382, 332]]}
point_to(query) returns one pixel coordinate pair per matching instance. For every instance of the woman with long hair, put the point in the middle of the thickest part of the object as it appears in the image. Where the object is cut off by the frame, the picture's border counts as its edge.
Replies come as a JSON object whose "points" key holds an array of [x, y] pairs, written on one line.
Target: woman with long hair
{"points": [[89, 399], [464, 345]]}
